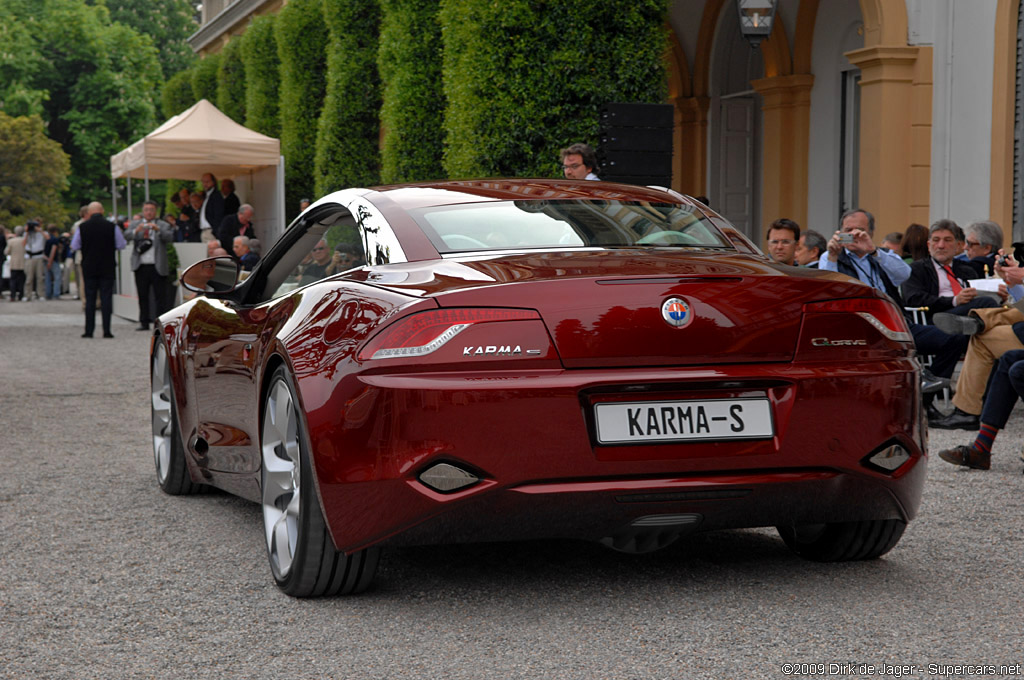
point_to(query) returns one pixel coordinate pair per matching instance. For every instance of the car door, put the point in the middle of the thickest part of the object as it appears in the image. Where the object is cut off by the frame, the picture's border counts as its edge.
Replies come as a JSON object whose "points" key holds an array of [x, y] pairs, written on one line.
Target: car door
{"points": [[222, 345]]}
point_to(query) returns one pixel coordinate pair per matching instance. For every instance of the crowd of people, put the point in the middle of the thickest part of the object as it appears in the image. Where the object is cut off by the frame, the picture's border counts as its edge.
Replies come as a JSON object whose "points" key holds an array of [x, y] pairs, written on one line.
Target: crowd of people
{"points": [[962, 293], [40, 263]]}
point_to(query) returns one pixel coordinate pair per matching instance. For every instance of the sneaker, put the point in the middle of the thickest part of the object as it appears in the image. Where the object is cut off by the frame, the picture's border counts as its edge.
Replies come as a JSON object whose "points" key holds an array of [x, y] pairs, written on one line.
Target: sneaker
{"points": [[954, 324], [967, 456]]}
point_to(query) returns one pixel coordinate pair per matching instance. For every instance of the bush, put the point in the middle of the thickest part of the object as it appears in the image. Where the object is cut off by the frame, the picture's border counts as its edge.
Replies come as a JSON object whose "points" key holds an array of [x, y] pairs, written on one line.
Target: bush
{"points": [[204, 79], [262, 76], [301, 46], [412, 114], [347, 150], [231, 82], [524, 79], [176, 95]]}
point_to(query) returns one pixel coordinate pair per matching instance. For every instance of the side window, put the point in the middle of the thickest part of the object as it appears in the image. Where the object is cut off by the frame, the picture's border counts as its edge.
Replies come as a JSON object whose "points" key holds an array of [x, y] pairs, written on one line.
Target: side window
{"points": [[339, 240]]}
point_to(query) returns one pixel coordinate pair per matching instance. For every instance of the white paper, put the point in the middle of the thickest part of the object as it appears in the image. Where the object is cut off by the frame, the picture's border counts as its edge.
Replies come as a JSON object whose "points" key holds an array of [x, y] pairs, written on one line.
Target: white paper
{"points": [[985, 284]]}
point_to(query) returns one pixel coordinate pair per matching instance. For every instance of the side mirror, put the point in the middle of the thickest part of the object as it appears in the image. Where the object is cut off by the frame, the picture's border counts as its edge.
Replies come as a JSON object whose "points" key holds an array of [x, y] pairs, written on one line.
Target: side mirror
{"points": [[215, 275]]}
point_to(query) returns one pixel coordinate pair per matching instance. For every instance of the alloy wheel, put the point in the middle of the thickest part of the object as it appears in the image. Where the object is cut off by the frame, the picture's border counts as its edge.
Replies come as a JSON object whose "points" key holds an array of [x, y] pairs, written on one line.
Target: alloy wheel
{"points": [[281, 477]]}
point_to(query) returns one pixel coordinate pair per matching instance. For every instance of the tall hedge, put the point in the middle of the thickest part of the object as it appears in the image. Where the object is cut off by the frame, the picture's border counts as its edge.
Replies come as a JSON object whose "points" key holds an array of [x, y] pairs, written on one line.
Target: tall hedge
{"points": [[347, 148], [524, 78], [301, 45], [204, 78], [262, 76], [231, 82], [177, 95], [412, 114]]}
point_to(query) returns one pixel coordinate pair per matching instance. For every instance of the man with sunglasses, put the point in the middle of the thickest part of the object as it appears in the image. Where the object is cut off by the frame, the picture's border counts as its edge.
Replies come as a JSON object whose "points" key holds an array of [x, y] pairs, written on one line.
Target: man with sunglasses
{"points": [[317, 269]]}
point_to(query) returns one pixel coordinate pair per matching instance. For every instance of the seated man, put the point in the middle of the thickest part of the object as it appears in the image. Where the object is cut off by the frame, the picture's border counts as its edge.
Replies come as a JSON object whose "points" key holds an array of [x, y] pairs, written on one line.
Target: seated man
{"points": [[243, 253], [983, 240], [809, 249], [783, 236], [939, 282], [1006, 386], [993, 332]]}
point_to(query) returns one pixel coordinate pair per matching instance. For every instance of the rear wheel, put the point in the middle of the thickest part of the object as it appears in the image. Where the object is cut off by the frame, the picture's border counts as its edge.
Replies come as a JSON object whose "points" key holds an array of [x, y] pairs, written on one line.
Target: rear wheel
{"points": [[843, 541], [168, 451], [302, 555]]}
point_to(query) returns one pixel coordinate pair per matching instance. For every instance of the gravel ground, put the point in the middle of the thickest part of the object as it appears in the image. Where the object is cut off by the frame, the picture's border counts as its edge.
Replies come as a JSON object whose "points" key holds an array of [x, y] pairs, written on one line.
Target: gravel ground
{"points": [[110, 578]]}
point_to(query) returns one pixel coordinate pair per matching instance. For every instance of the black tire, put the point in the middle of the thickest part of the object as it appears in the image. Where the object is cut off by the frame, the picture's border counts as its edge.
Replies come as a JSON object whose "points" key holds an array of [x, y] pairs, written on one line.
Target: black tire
{"points": [[315, 568], [168, 451], [843, 541]]}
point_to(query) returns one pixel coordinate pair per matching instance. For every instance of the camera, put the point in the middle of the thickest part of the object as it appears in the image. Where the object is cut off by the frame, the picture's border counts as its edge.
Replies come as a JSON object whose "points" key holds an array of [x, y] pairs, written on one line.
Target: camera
{"points": [[1003, 260], [845, 238]]}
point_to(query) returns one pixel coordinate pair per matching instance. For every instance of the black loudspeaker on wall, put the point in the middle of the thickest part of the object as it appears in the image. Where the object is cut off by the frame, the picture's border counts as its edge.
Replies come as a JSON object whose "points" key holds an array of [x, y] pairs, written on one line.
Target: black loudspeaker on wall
{"points": [[635, 144]]}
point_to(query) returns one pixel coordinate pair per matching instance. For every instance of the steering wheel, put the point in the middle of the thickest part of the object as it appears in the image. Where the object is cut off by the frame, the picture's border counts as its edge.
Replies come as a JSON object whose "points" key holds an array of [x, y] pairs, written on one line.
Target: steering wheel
{"points": [[461, 242], [668, 237]]}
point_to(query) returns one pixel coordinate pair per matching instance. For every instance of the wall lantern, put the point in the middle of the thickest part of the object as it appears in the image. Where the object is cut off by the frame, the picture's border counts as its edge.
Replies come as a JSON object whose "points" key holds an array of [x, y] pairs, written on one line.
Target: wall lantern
{"points": [[756, 18]]}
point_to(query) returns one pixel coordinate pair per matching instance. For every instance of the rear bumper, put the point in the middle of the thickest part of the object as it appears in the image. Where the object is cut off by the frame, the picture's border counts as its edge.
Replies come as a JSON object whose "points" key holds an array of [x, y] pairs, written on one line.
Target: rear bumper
{"points": [[596, 510], [530, 439]]}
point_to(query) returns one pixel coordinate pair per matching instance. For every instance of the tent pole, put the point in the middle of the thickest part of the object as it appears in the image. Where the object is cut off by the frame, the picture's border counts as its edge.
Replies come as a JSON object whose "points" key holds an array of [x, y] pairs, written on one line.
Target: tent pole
{"points": [[113, 194], [147, 180], [129, 208]]}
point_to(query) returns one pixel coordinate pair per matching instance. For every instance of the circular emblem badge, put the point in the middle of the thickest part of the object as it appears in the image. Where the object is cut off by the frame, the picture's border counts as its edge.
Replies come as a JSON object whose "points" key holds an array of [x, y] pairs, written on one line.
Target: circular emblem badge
{"points": [[676, 312]]}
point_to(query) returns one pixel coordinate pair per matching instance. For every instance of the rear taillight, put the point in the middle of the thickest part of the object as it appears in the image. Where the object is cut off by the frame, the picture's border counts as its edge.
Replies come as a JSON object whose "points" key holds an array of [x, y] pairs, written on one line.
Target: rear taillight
{"points": [[882, 314], [426, 332], [853, 329]]}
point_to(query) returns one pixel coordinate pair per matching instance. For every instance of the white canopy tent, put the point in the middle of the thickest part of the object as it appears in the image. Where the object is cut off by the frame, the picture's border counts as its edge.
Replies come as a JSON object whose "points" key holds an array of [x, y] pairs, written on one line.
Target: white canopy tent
{"points": [[197, 141], [200, 140]]}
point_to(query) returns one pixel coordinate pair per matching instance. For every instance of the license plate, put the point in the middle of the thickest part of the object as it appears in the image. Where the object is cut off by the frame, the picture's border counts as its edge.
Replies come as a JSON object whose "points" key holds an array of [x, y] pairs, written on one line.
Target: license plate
{"points": [[671, 421]]}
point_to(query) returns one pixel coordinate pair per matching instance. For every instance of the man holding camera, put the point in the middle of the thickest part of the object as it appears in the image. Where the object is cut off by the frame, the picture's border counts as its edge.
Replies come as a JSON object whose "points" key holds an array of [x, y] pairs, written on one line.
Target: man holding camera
{"points": [[852, 251], [149, 237]]}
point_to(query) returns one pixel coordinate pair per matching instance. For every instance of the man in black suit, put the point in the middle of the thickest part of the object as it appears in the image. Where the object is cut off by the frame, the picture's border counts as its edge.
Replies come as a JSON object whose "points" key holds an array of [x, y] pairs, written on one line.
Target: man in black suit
{"points": [[231, 202], [939, 282], [212, 212], [97, 238], [239, 224]]}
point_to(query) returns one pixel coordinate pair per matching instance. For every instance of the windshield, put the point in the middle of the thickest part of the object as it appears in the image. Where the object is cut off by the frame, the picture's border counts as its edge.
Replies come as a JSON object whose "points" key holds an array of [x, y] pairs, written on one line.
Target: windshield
{"points": [[518, 225]]}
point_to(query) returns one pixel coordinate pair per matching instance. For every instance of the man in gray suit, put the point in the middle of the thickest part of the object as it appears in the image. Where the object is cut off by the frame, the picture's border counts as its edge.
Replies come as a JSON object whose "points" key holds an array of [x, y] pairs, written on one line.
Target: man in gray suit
{"points": [[149, 237]]}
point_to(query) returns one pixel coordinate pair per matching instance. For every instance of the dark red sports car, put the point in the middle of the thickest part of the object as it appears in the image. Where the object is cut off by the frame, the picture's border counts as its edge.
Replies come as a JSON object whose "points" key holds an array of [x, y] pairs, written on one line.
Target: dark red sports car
{"points": [[504, 360]]}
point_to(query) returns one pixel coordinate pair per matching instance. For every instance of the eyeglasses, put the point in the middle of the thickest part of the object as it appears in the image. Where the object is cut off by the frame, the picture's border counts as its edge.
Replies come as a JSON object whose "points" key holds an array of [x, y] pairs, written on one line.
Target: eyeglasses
{"points": [[319, 248], [572, 167], [782, 242], [972, 244]]}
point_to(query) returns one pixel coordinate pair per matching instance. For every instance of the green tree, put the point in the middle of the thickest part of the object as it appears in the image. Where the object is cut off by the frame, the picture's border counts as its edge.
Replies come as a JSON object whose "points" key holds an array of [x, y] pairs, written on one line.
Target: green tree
{"points": [[33, 170], [231, 82], [168, 22], [21, 64], [99, 78], [204, 78], [262, 76], [301, 39], [347, 153], [176, 95], [524, 78], [413, 103]]}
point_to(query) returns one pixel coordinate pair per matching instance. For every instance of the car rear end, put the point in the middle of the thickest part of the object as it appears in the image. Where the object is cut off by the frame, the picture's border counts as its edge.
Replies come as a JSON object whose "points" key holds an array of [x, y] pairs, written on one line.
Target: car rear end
{"points": [[623, 395]]}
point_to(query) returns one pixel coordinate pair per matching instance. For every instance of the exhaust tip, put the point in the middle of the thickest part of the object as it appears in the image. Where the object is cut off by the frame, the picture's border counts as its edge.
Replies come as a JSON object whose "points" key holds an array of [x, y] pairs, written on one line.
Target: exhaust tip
{"points": [[447, 478]]}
